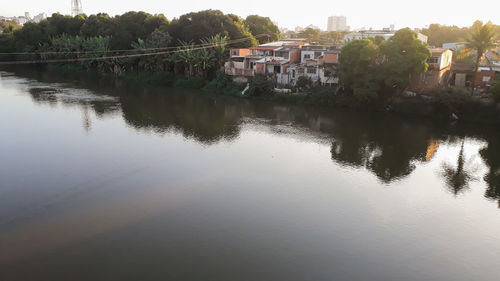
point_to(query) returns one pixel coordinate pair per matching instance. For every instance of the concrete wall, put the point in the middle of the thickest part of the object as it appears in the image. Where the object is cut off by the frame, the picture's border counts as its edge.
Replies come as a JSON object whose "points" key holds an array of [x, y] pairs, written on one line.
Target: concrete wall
{"points": [[239, 52], [484, 79]]}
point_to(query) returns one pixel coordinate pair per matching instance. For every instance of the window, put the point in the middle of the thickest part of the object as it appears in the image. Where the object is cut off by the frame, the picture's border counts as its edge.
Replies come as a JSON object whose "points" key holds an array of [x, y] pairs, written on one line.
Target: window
{"points": [[277, 69], [300, 71], [235, 52], [433, 60], [307, 56], [311, 70], [486, 78], [317, 54], [293, 73], [283, 54]]}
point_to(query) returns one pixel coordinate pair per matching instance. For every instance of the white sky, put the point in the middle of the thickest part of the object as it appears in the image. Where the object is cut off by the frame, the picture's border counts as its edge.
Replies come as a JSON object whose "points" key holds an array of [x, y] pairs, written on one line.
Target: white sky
{"points": [[291, 13]]}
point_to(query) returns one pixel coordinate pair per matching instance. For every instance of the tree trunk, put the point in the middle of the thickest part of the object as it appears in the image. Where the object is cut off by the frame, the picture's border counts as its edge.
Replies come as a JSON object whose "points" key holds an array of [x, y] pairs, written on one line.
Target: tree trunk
{"points": [[476, 68]]}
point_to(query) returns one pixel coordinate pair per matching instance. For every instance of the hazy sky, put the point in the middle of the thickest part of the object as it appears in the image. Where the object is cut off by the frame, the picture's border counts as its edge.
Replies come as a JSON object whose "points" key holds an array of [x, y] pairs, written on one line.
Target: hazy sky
{"points": [[291, 13]]}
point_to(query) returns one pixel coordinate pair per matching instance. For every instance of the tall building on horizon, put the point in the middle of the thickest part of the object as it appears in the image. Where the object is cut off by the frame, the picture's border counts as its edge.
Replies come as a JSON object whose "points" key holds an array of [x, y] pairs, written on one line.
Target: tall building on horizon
{"points": [[337, 23]]}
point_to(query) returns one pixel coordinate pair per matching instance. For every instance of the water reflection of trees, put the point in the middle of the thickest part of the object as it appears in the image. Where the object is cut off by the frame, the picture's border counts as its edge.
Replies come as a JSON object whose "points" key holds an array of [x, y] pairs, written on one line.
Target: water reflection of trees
{"points": [[200, 118], [55, 96], [389, 147], [457, 178], [491, 156]]}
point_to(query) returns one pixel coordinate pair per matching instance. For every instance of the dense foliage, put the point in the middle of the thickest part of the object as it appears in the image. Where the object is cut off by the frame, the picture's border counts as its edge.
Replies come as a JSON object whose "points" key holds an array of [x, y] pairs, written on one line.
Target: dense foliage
{"points": [[175, 44], [480, 40], [368, 69], [439, 34], [8, 26], [263, 25], [495, 90], [193, 27]]}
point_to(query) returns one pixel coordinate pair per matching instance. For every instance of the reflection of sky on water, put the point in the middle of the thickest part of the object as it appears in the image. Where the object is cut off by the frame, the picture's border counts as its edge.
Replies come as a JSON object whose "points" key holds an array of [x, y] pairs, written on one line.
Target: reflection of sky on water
{"points": [[193, 184]]}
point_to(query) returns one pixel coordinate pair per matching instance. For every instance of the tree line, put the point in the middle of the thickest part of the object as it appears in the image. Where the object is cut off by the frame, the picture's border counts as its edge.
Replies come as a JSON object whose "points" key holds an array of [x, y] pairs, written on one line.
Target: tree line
{"points": [[97, 35], [438, 34]]}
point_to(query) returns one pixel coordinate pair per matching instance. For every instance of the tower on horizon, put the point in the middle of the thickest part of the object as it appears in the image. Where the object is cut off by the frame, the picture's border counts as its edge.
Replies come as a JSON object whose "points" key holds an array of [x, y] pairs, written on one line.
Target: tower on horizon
{"points": [[76, 7]]}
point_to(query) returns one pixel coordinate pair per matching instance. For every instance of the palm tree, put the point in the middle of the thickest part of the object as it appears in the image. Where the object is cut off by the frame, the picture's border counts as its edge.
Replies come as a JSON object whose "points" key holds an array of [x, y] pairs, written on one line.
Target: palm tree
{"points": [[219, 43], [457, 178], [204, 60], [480, 40], [187, 54]]}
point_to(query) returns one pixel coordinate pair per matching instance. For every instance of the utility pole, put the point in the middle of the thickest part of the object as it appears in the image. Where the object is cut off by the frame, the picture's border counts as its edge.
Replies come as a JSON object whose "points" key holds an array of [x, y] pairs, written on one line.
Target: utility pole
{"points": [[76, 7]]}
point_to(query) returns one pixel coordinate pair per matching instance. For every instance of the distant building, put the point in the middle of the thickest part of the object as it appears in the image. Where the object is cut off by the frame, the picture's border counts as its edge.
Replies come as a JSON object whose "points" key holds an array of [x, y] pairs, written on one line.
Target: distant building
{"points": [[25, 19], [386, 33], [454, 45], [38, 18], [337, 23]]}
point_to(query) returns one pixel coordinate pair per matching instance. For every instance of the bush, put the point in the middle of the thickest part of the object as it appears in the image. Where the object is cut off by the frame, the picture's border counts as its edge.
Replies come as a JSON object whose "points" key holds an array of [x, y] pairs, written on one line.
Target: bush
{"points": [[365, 94], [223, 84], [495, 90], [146, 78], [261, 86], [303, 83], [321, 96], [194, 82]]}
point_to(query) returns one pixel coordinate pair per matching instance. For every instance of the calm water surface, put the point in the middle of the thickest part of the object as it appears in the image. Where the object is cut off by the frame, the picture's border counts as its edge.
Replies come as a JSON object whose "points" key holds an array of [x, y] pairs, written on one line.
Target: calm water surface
{"points": [[102, 181]]}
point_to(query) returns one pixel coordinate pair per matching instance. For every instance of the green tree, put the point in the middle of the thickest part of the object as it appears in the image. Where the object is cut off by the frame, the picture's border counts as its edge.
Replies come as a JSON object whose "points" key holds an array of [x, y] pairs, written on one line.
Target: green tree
{"points": [[495, 90], [263, 25], [310, 34], [332, 37], [9, 26], [31, 36], [193, 27], [404, 55], [98, 25], [219, 43], [6, 45], [134, 25], [60, 24], [261, 86], [438, 34], [204, 59], [304, 82], [357, 66], [481, 39], [156, 42]]}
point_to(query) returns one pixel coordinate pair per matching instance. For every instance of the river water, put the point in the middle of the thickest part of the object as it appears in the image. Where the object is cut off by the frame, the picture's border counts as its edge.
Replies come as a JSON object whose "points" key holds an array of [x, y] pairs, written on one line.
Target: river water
{"points": [[105, 181]]}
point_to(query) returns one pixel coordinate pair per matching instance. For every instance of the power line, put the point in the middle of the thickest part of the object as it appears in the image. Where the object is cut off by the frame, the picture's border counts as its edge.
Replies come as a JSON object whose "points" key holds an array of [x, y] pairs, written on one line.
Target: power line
{"points": [[118, 51], [122, 56]]}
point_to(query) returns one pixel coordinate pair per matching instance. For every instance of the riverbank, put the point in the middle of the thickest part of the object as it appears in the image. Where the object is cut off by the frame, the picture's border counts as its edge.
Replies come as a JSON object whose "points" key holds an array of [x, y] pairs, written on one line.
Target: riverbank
{"points": [[439, 103], [447, 104]]}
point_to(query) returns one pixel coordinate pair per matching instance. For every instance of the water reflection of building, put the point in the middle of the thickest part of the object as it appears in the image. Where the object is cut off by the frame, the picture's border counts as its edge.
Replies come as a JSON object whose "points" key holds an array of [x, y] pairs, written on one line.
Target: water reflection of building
{"points": [[431, 149]]}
